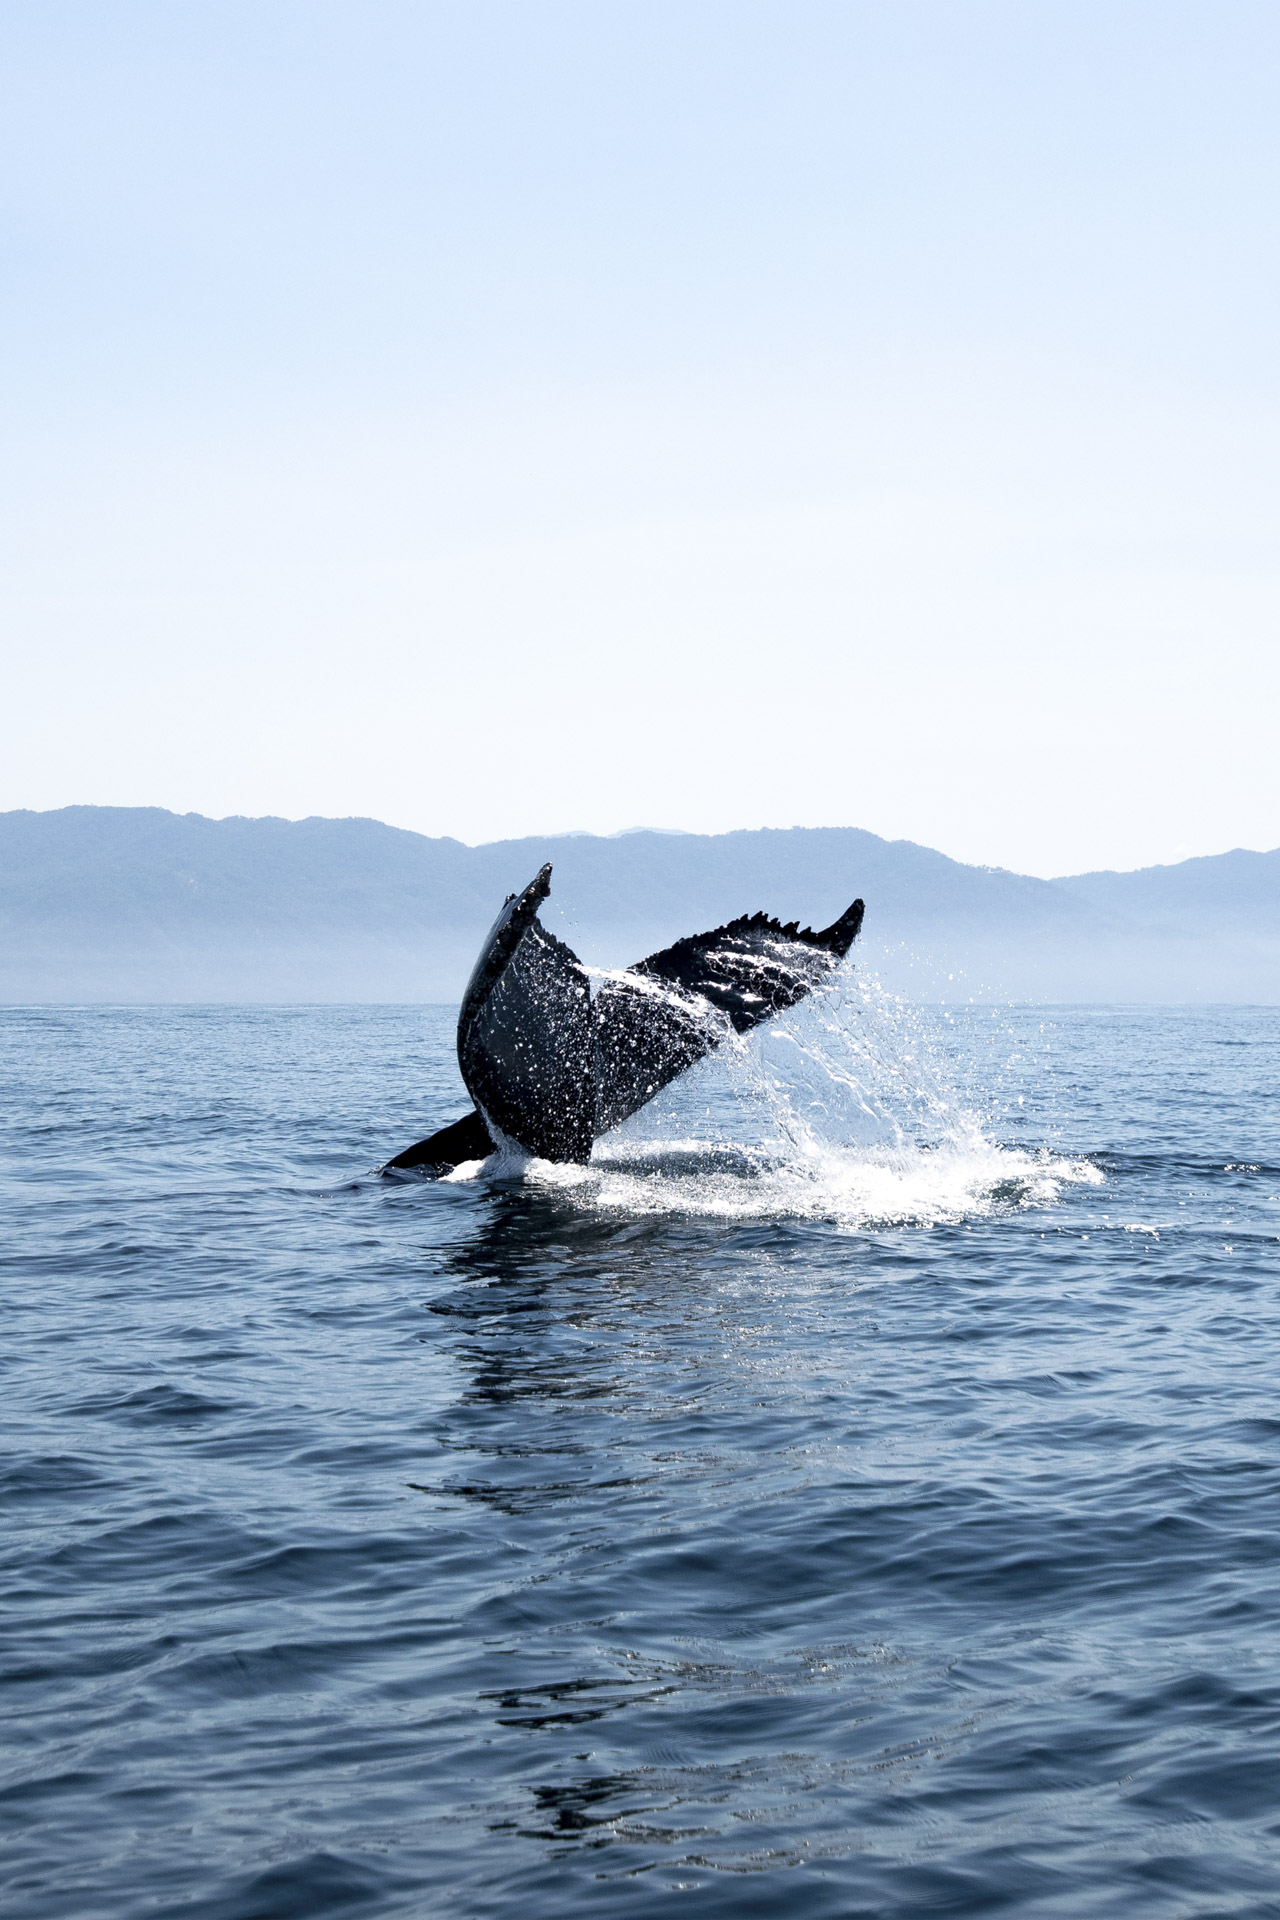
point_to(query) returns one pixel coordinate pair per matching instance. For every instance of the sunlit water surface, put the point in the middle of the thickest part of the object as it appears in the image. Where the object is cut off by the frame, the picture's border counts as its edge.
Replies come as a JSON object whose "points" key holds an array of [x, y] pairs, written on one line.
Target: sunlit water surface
{"points": [[857, 1493]]}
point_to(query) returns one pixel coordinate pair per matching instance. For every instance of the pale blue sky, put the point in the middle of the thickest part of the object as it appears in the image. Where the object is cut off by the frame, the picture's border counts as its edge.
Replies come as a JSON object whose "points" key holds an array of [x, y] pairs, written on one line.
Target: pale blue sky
{"points": [[497, 418]]}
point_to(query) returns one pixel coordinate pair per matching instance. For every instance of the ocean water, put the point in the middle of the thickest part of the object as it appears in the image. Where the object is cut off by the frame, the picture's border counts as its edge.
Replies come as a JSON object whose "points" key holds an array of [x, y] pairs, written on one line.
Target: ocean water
{"points": [[857, 1493]]}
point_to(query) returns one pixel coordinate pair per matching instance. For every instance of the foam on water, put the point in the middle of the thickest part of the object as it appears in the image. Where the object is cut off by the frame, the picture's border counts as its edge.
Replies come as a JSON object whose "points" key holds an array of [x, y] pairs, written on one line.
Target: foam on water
{"points": [[846, 1109], [849, 1189]]}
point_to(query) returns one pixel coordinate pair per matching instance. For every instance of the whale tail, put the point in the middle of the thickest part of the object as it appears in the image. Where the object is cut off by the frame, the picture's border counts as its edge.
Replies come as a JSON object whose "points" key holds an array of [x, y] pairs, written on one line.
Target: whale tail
{"points": [[551, 1067]]}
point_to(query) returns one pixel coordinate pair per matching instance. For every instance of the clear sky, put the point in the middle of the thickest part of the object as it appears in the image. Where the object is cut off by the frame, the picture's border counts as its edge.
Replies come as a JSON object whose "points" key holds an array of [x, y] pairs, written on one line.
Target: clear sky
{"points": [[521, 415]]}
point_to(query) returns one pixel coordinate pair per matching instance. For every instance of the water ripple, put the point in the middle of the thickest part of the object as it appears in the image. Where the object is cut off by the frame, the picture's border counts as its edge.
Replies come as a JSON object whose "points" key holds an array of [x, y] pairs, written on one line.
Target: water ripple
{"points": [[856, 1493]]}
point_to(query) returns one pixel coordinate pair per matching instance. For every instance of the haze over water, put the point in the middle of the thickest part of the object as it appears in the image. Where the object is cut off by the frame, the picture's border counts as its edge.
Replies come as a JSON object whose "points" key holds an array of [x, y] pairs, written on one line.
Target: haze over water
{"points": [[857, 1493]]}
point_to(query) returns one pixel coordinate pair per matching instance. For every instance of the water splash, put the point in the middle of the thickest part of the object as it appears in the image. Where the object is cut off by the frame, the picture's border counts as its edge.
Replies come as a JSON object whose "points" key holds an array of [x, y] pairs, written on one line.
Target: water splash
{"points": [[856, 1108]]}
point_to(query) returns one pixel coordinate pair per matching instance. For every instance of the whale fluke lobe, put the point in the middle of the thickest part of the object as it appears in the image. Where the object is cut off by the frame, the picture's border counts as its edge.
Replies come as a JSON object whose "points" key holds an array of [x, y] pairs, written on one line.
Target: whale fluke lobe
{"points": [[673, 1008], [754, 967], [551, 1066], [524, 1034]]}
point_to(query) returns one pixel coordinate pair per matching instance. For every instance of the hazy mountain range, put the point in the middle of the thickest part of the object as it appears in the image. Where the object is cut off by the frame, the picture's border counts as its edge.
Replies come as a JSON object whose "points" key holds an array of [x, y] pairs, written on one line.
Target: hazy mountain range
{"points": [[135, 904]]}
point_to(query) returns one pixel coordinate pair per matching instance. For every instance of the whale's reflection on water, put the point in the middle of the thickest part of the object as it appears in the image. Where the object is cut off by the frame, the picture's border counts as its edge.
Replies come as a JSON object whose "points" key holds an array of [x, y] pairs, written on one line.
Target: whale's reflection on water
{"points": [[634, 1404]]}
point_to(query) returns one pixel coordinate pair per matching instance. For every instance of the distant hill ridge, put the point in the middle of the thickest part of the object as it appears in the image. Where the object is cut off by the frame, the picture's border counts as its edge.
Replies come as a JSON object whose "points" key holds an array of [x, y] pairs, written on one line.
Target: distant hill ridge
{"points": [[123, 903]]}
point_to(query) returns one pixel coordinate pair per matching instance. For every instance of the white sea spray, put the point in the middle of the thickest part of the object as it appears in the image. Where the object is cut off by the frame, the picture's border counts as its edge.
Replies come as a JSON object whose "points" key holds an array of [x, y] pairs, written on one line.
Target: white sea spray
{"points": [[856, 1108]]}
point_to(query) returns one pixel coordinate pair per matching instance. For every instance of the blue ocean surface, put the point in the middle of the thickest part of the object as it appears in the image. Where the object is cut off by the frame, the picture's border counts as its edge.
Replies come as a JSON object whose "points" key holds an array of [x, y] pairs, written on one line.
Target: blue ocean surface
{"points": [[857, 1493]]}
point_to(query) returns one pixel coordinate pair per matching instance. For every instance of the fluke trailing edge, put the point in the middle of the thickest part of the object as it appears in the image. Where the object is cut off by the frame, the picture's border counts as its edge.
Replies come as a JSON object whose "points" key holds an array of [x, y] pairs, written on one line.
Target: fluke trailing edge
{"points": [[551, 1066]]}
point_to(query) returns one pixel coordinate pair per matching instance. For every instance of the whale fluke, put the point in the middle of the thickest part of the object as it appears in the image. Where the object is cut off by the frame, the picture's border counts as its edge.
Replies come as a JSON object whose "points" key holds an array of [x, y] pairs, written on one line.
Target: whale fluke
{"points": [[551, 1066]]}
